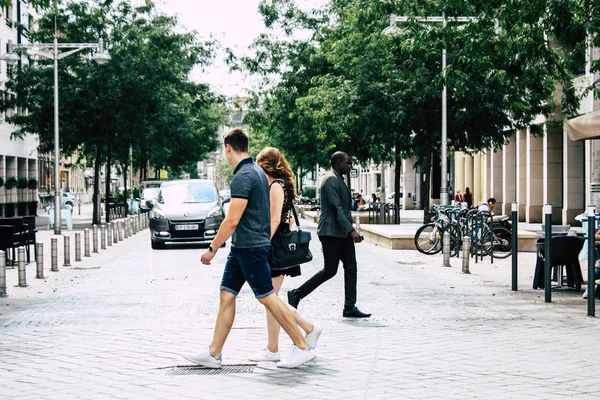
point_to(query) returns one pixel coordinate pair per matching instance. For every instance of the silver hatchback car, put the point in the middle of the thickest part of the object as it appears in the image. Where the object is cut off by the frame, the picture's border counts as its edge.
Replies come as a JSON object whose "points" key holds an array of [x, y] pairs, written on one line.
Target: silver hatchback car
{"points": [[187, 210]]}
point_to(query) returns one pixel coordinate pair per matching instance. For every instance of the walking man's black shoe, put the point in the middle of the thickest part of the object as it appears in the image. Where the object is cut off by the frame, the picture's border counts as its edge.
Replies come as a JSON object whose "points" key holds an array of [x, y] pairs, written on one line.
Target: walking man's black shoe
{"points": [[293, 298], [352, 312]]}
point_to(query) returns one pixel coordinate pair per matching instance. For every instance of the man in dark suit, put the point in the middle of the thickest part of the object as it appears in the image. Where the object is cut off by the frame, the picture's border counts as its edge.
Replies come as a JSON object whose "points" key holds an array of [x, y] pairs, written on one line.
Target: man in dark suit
{"points": [[337, 235]]}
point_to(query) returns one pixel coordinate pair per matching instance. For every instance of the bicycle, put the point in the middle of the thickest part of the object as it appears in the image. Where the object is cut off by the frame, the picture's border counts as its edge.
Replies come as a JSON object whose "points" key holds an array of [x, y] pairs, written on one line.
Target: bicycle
{"points": [[428, 238]]}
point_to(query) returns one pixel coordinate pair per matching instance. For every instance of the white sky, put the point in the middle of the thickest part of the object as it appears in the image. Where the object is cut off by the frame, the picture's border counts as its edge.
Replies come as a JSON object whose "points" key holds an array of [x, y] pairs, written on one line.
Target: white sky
{"points": [[235, 23]]}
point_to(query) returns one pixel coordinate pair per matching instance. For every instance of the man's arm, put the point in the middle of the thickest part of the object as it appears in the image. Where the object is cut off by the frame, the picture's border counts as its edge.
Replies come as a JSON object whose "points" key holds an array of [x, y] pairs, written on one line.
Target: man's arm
{"points": [[234, 214]]}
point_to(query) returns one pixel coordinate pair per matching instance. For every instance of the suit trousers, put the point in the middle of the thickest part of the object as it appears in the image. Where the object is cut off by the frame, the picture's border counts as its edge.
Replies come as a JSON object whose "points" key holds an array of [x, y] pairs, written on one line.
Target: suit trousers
{"points": [[335, 250]]}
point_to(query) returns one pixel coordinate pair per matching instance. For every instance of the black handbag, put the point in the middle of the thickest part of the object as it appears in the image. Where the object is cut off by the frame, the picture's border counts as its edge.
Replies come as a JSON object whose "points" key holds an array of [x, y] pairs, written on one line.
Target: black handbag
{"points": [[290, 248]]}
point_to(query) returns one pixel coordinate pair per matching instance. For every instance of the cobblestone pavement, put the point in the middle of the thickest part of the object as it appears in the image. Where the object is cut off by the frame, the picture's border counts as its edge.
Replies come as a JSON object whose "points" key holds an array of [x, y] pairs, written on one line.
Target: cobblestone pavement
{"points": [[114, 326]]}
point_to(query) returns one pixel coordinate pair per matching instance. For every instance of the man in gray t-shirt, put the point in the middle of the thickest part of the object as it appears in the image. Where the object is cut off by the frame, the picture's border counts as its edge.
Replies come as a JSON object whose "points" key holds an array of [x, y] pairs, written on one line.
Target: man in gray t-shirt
{"points": [[248, 221], [250, 183]]}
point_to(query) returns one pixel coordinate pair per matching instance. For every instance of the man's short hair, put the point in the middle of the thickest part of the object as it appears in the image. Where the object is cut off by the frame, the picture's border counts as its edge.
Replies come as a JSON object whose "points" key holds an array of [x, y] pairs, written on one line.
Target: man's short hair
{"points": [[237, 139], [337, 157], [492, 200]]}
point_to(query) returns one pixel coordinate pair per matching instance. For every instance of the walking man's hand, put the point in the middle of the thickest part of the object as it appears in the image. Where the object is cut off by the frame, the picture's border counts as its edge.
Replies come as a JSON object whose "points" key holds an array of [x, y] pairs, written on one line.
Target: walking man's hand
{"points": [[207, 257], [356, 237]]}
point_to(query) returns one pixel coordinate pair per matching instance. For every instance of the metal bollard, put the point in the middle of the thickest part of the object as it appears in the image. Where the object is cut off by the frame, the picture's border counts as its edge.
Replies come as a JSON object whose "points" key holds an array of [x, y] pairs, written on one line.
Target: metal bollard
{"points": [[67, 255], [103, 237], [54, 254], [514, 245], [120, 225], [357, 225], [94, 238], [125, 229], [446, 249], [109, 234], [302, 213], [466, 252], [548, 261], [22, 270], [115, 232], [77, 246], [39, 261], [591, 301], [86, 242], [3, 274]]}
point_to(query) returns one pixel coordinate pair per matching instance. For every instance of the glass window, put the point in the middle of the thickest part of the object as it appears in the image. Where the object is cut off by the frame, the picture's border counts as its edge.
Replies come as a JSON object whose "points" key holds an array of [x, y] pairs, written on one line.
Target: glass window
{"points": [[188, 192]]}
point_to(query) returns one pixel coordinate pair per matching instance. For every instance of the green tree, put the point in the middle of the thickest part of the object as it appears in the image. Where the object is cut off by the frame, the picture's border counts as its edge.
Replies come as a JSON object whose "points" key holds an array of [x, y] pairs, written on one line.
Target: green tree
{"points": [[350, 87], [142, 99]]}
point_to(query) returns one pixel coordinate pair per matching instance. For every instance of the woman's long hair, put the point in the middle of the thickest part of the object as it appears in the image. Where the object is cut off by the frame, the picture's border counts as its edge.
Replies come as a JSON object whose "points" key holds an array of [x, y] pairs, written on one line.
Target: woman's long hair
{"points": [[275, 165]]}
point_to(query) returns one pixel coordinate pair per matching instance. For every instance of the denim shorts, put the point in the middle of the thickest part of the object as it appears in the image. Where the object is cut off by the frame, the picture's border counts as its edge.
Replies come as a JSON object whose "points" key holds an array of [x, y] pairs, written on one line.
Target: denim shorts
{"points": [[249, 265]]}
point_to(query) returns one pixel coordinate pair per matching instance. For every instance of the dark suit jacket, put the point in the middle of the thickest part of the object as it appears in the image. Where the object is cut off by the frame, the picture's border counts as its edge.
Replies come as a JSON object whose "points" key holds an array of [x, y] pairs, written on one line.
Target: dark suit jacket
{"points": [[336, 202]]}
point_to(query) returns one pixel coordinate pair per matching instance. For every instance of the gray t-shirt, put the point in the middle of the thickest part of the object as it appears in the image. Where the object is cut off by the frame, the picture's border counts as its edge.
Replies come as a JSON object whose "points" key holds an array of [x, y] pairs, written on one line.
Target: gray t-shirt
{"points": [[250, 182]]}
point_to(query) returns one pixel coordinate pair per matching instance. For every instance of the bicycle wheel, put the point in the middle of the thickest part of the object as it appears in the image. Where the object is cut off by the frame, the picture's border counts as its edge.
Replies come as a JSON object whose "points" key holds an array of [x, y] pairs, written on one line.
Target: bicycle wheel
{"points": [[428, 239], [502, 242]]}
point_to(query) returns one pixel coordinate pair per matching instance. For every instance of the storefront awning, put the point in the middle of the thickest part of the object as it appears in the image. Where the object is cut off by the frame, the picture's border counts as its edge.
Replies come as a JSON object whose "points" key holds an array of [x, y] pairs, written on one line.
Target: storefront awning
{"points": [[584, 127]]}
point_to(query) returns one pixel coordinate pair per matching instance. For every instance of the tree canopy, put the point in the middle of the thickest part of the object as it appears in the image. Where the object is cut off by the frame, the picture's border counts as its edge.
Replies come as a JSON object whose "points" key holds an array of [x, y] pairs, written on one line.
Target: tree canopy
{"points": [[349, 86]]}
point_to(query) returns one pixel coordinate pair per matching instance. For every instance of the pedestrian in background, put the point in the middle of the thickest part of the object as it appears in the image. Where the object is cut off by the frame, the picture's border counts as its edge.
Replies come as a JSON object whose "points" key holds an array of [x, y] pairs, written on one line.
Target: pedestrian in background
{"points": [[282, 197], [249, 226], [468, 198], [337, 236]]}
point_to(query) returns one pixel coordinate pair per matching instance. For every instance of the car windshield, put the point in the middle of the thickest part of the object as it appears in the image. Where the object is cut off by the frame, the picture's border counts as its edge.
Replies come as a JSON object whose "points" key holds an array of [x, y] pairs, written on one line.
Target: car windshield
{"points": [[150, 193], [188, 192]]}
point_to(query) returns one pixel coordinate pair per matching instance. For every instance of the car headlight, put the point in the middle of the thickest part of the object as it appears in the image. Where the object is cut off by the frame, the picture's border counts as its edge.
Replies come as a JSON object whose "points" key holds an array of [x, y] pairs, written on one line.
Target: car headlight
{"points": [[215, 212], [157, 214]]}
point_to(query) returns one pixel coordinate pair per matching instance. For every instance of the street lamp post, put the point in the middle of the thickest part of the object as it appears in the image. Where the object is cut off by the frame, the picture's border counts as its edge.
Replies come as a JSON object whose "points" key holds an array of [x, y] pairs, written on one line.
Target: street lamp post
{"points": [[51, 51], [394, 30]]}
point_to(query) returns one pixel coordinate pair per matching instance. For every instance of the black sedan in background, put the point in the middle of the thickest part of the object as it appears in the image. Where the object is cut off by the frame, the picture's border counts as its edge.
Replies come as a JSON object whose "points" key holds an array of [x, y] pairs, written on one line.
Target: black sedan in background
{"points": [[188, 210]]}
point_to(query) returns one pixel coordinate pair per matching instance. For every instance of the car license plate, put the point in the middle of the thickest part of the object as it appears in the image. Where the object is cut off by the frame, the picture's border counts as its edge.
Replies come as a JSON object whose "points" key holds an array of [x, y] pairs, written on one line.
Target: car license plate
{"points": [[191, 227]]}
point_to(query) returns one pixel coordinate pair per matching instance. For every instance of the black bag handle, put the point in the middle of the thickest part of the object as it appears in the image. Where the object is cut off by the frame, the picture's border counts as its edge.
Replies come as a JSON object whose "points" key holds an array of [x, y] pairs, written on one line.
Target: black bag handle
{"points": [[290, 201]]}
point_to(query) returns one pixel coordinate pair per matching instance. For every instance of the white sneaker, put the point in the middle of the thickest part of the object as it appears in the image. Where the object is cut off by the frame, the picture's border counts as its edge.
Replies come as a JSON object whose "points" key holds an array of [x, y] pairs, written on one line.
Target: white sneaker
{"points": [[204, 358], [297, 357], [313, 337], [265, 355]]}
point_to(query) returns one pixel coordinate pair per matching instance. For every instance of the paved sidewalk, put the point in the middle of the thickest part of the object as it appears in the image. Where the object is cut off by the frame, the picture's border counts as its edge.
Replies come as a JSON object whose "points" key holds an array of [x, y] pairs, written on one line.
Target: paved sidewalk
{"points": [[114, 326]]}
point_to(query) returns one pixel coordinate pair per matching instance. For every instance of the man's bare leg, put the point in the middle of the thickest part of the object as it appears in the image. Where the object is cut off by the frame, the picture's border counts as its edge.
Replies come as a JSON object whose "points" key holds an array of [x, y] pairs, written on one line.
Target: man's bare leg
{"points": [[224, 322], [285, 318]]}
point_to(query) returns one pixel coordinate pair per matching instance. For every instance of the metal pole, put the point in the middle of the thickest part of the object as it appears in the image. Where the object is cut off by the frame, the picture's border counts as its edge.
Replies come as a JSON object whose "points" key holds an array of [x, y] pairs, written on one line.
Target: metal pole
{"points": [[115, 232], [103, 237], [120, 225], [548, 261], [514, 244], [67, 255], [95, 238], [77, 246], [3, 274], [22, 270], [591, 216], [446, 249], [466, 254], [57, 186], [39, 261], [54, 254], [357, 225], [444, 188], [86, 242]]}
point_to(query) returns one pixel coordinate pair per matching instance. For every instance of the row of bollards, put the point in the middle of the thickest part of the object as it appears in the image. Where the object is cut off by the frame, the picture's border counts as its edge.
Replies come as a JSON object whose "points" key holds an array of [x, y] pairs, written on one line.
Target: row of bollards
{"points": [[466, 252], [113, 232]]}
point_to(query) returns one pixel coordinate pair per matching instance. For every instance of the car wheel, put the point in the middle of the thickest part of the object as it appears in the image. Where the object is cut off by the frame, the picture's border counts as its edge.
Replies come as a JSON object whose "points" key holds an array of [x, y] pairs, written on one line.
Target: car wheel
{"points": [[157, 245]]}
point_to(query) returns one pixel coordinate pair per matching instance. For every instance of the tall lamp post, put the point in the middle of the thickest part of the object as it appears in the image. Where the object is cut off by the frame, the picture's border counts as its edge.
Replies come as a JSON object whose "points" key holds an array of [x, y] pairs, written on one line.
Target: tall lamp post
{"points": [[394, 30], [51, 51]]}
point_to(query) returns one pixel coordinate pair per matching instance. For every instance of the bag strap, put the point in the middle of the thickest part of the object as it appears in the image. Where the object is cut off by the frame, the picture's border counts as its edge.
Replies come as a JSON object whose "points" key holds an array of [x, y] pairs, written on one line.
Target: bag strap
{"points": [[289, 199]]}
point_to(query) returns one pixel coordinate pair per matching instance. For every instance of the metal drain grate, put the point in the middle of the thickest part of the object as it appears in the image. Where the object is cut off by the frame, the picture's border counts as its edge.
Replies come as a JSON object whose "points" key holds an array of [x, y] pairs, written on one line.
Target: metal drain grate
{"points": [[80, 268], [410, 262], [224, 370]]}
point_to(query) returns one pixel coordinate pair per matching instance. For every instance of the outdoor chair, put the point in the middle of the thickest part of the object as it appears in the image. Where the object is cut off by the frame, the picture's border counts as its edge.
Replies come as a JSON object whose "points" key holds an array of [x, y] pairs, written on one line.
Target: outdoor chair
{"points": [[564, 252], [21, 233]]}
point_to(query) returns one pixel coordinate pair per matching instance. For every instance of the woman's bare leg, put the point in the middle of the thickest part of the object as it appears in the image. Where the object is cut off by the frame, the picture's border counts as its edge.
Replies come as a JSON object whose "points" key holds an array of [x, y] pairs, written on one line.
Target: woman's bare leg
{"points": [[273, 328]]}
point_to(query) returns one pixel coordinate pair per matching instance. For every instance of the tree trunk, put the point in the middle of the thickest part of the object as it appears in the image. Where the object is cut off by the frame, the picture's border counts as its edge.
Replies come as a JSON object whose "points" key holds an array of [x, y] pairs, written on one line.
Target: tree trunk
{"points": [[125, 185], [96, 214]]}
